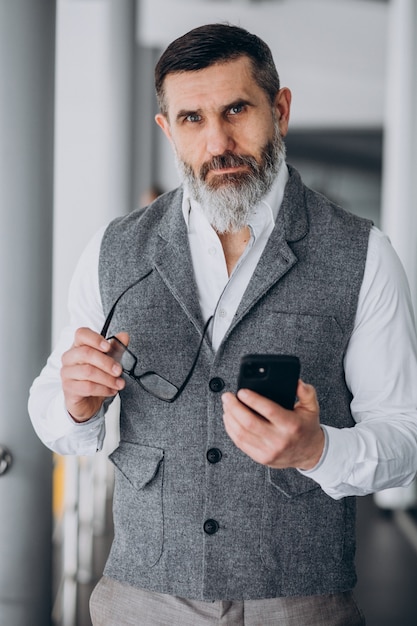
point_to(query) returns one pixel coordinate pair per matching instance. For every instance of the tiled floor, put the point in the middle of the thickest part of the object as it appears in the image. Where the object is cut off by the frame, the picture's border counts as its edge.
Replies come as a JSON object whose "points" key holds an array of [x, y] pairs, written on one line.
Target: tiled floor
{"points": [[386, 563]]}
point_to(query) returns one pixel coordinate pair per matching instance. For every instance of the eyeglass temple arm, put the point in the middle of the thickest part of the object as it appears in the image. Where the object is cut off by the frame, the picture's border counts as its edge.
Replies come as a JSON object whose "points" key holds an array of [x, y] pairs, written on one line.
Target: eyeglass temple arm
{"points": [[190, 373], [110, 314]]}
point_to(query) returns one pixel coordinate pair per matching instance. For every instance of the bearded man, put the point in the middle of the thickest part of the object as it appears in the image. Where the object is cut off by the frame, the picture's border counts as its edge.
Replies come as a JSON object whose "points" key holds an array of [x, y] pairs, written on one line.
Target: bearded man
{"points": [[229, 508]]}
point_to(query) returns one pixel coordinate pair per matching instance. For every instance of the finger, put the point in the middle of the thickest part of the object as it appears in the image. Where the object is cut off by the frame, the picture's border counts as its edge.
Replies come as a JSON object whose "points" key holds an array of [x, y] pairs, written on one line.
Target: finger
{"points": [[265, 407], [249, 431], [89, 356], [83, 389], [241, 420], [88, 372], [88, 337], [123, 337], [84, 397], [86, 364]]}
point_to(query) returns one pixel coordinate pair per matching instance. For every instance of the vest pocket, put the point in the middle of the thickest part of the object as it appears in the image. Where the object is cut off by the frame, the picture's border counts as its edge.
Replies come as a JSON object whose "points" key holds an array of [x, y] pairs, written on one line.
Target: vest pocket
{"points": [[303, 529], [137, 501], [290, 482]]}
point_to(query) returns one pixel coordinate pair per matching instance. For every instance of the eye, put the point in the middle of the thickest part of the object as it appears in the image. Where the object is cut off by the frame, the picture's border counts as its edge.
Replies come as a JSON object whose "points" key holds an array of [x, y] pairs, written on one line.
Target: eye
{"points": [[236, 108], [193, 118]]}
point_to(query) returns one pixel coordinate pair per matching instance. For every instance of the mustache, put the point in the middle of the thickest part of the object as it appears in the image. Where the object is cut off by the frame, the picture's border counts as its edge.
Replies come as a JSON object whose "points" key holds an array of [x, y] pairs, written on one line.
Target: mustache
{"points": [[226, 160]]}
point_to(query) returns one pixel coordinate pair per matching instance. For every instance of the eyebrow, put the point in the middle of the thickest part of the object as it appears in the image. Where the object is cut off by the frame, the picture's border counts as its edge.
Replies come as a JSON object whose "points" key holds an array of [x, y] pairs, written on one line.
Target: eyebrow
{"points": [[185, 113]]}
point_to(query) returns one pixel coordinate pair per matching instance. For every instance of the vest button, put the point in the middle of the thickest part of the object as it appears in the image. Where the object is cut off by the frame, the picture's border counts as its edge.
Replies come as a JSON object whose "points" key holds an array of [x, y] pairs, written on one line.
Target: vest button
{"points": [[216, 384], [211, 527], [214, 455]]}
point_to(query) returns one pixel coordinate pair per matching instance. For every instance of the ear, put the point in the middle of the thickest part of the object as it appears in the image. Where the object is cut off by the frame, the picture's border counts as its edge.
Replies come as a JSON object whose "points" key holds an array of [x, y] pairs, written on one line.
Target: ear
{"points": [[282, 106], [163, 123]]}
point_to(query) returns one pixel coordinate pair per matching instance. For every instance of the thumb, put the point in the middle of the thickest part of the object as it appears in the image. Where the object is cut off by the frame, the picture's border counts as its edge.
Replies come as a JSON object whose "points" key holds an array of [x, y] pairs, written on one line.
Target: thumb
{"points": [[306, 395]]}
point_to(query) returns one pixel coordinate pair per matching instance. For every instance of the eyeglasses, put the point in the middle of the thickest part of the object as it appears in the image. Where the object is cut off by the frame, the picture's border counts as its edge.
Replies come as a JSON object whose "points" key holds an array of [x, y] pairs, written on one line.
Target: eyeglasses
{"points": [[150, 381]]}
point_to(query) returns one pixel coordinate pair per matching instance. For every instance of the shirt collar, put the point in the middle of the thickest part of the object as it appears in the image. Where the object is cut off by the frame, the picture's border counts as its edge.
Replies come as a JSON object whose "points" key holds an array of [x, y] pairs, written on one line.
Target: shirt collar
{"points": [[261, 215]]}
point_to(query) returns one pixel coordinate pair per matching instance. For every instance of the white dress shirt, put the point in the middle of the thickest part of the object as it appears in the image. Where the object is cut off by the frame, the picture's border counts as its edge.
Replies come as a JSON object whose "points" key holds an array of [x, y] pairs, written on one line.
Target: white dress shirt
{"points": [[380, 362]]}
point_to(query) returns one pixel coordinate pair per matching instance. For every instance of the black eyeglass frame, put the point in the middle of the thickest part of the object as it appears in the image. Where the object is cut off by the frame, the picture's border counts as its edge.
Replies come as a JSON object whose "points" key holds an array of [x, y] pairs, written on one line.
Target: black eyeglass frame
{"points": [[121, 350]]}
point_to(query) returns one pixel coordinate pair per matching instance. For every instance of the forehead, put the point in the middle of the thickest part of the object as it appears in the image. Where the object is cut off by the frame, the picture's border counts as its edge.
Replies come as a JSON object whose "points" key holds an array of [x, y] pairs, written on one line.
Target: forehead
{"points": [[212, 87]]}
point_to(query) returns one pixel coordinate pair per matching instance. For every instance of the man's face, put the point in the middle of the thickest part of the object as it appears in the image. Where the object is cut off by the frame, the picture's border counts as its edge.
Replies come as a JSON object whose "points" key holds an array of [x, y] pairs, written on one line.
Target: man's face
{"points": [[225, 133]]}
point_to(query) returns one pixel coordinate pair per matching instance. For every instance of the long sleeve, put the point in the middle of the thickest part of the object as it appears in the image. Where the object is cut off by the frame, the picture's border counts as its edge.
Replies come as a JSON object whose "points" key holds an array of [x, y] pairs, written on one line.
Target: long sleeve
{"points": [[380, 451], [49, 416], [380, 368]]}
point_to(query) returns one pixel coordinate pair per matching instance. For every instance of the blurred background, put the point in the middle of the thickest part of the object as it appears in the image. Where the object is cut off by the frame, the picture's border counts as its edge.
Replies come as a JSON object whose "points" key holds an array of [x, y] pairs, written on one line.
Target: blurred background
{"points": [[78, 146]]}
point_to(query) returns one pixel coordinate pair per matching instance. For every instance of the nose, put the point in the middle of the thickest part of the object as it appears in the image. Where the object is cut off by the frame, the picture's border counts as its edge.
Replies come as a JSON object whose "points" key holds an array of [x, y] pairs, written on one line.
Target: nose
{"points": [[219, 138]]}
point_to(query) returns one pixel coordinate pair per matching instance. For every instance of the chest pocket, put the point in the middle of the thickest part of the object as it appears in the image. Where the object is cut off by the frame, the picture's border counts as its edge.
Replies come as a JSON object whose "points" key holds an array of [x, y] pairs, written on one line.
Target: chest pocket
{"points": [[318, 341]]}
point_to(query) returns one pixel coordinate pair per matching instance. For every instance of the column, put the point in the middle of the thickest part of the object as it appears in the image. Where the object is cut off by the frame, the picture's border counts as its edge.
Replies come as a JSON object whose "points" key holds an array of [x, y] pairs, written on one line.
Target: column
{"points": [[93, 129], [399, 185], [94, 136], [27, 31]]}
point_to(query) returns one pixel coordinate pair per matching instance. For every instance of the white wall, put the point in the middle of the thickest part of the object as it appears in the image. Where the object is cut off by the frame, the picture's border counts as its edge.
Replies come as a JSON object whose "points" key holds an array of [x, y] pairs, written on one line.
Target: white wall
{"points": [[330, 53]]}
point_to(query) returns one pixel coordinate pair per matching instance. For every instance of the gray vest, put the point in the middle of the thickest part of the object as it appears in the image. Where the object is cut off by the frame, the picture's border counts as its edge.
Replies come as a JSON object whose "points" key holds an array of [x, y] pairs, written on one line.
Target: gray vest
{"points": [[270, 532]]}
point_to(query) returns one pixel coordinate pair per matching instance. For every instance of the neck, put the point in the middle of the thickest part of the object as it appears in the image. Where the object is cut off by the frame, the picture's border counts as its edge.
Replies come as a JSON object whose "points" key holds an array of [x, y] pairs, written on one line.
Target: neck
{"points": [[234, 245]]}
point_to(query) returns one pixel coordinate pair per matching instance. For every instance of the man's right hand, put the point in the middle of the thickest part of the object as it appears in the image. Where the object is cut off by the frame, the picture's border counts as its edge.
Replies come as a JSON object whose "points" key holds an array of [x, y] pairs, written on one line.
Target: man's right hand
{"points": [[89, 375]]}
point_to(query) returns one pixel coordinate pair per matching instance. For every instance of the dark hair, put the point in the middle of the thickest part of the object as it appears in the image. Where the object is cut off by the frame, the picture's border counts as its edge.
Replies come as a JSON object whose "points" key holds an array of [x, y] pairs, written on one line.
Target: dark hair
{"points": [[216, 43]]}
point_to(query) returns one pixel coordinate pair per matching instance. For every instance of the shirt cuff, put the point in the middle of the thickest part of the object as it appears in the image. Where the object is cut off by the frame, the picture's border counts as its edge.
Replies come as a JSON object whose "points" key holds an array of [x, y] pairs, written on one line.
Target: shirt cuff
{"points": [[336, 463], [91, 421], [322, 458], [65, 436]]}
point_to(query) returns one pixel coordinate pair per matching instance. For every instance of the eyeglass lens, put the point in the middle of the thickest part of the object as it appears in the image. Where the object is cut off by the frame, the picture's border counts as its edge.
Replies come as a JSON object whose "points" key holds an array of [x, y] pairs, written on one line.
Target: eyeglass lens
{"points": [[122, 355], [158, 386], [150, 381]]}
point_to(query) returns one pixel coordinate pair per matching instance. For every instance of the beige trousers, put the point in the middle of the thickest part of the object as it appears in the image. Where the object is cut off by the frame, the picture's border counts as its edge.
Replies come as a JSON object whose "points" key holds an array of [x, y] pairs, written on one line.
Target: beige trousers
{"points": [[116, 604]]}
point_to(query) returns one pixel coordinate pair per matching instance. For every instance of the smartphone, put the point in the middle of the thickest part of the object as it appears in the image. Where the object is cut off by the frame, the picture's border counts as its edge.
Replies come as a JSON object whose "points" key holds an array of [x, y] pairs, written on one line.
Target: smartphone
{"points": [[272, 375]]}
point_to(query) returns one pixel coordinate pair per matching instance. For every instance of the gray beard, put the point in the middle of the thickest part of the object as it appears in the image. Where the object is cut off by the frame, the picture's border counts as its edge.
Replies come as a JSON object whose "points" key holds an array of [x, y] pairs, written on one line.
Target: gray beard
{"points": [[227, 200]]}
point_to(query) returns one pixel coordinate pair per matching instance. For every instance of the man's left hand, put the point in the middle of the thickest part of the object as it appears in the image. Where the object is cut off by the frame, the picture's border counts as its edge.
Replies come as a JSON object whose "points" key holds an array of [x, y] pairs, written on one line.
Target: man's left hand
{"points": [[272, 435]]}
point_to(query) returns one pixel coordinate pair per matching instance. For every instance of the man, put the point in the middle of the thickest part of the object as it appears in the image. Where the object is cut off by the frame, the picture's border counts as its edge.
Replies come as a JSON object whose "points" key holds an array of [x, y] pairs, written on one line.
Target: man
{"points": [[231, 509]]}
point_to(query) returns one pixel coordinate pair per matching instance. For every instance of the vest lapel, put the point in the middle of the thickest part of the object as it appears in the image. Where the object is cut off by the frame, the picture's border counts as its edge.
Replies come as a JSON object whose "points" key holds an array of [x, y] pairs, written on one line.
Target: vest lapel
{"points": [[278, 257], [172, 260]]}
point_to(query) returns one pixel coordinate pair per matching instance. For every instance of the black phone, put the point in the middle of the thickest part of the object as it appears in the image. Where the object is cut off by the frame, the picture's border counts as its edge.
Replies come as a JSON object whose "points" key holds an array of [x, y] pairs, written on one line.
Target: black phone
{"points": [[272, 375]]}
